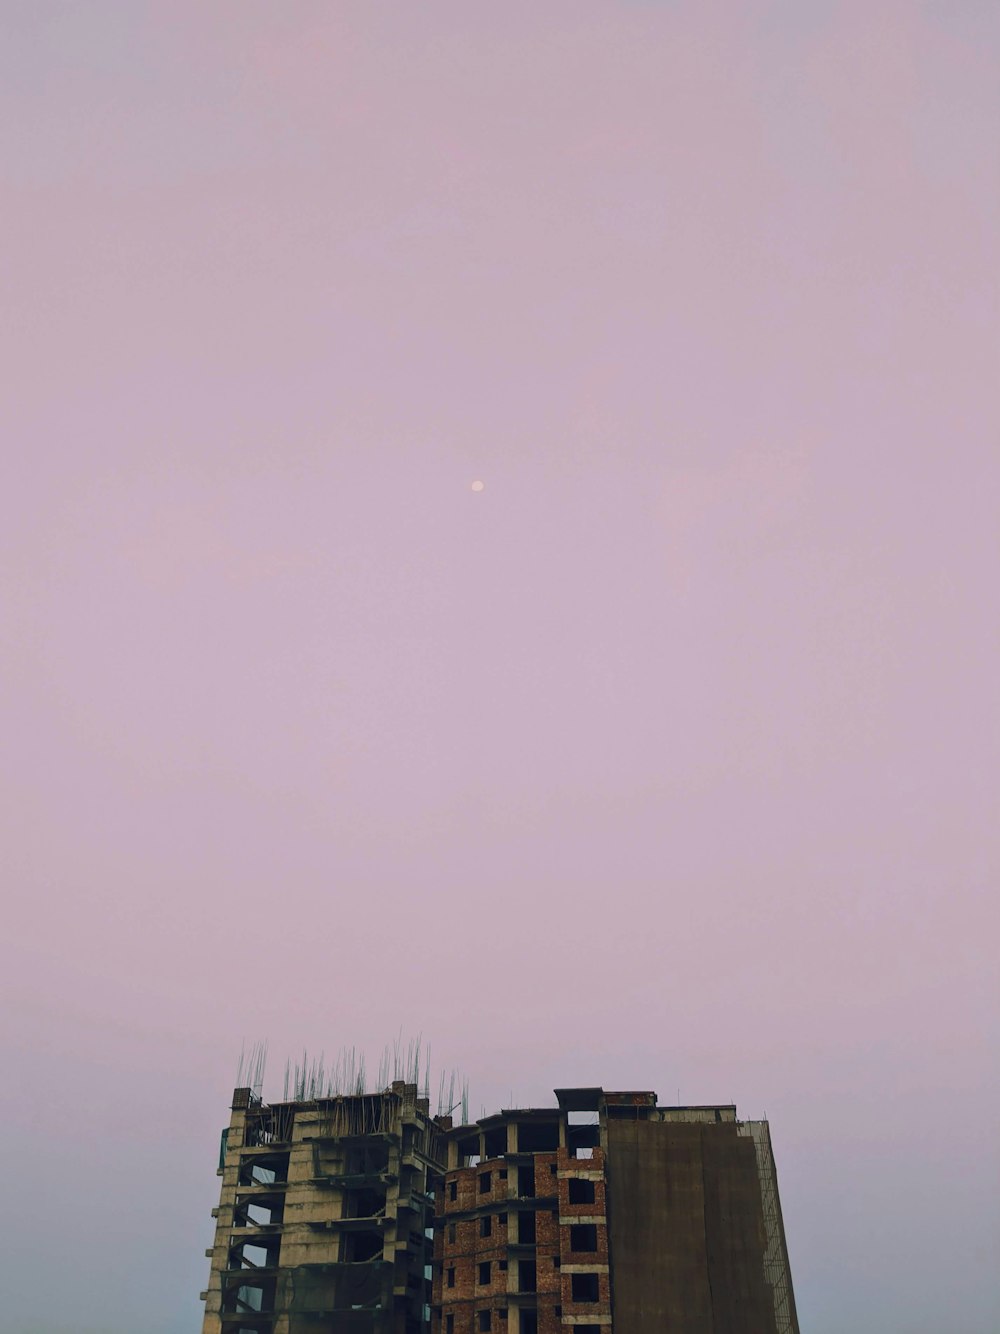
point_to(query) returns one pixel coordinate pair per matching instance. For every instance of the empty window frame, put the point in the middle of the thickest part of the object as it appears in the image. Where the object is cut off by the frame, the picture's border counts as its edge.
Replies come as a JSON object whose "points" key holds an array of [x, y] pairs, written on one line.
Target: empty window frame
{"points": [[258, 1212], [581, 1190], [495, 1142], [364, 1203], [263, 1169], [538, 1136], [250, 1297], [486, 1226], [468, 1151], [257, 1254], [359, 1246], [484, 1273], [583, 1237], [367, 1159], [485, 1182], [583, 1134], [586, 1287], [484, 1322]]}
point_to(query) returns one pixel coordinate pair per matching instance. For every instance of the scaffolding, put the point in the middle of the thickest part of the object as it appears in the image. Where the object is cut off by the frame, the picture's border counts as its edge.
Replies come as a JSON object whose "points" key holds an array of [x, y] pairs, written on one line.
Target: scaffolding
{"points": [[776, 1267]]}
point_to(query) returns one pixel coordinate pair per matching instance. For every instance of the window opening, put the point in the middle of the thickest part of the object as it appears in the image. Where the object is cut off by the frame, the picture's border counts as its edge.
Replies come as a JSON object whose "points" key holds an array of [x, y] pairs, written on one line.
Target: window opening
{"points": [[581, 1191], [586, 1287], [538, 1136], [583, 1237], [495, 1142]]}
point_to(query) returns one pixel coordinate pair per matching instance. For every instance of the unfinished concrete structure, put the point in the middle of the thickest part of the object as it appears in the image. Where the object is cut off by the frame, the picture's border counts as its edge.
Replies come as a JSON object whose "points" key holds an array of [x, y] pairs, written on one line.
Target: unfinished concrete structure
{"points": [[326, 1215], [605, 1212], [608, 1211]]}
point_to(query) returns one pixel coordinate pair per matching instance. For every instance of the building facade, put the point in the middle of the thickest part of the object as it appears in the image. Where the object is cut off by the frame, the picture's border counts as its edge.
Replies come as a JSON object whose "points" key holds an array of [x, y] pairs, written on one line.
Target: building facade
{"points": [[326, 1216], [605, 1212]]}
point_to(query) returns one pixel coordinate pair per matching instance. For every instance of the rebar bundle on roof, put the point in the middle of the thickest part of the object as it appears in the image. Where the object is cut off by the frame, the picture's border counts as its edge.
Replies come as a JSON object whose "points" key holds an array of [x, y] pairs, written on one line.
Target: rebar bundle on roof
{"points": [[311, 1078]]}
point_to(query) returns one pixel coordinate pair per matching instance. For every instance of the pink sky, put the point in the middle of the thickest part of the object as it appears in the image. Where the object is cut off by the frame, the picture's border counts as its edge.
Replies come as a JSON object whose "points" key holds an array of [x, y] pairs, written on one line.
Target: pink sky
{"points": [[668, 760]]}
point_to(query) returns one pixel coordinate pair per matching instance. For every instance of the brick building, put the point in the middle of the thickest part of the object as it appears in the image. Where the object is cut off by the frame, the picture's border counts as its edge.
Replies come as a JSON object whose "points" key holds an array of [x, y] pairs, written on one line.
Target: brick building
{"points": [[606, 1213]]}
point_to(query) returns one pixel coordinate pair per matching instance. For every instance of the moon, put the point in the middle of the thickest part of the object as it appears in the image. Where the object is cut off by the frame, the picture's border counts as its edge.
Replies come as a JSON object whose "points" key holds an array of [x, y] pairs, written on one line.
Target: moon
{"points": [[478, 486]]}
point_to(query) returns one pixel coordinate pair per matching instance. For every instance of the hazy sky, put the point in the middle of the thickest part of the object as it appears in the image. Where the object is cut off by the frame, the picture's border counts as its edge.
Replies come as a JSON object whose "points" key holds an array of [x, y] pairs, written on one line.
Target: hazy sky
{"points": [[667, 760]]}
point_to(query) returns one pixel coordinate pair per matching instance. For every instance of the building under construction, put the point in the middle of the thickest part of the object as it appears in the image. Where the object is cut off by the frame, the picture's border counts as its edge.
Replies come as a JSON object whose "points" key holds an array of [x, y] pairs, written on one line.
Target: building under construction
{"points": [[362, 1213]]}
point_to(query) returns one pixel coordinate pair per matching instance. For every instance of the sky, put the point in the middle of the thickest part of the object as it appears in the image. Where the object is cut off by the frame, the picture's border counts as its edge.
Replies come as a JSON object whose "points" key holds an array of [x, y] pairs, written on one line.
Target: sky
{"points": [[667, 759]]}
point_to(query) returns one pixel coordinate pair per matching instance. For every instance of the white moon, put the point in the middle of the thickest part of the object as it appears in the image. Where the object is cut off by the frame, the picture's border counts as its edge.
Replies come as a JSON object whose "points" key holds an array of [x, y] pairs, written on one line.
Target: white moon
{"points": [[478, 486]]}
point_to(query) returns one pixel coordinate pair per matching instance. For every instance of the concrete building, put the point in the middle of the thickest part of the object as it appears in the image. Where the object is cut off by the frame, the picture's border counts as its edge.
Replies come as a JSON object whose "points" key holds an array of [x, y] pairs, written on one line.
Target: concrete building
{"points": [[326, 1216], [606, 1213]]}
